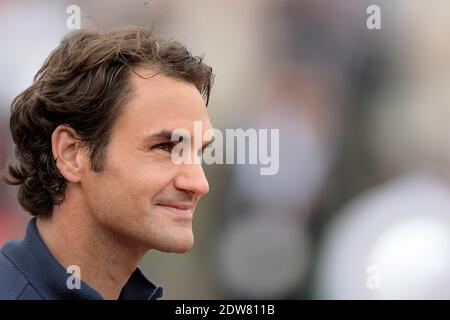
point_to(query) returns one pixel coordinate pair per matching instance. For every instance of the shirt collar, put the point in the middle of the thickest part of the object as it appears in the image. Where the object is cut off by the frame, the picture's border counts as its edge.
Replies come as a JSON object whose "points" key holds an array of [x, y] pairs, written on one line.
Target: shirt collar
{"points": [[49, 278]]}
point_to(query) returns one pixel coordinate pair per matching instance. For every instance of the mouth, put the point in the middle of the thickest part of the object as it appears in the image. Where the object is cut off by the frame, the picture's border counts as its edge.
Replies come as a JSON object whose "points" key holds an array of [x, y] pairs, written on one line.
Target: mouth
{"points": [[184, 209]]}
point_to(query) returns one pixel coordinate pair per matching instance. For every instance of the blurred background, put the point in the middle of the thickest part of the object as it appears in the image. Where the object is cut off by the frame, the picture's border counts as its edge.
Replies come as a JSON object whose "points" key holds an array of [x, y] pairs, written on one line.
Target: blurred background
{"points": [[360, 208]]}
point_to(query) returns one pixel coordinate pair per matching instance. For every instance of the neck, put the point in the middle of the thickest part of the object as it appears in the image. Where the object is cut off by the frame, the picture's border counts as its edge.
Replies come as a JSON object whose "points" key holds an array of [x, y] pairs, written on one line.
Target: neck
{"points": [[75, 238]]}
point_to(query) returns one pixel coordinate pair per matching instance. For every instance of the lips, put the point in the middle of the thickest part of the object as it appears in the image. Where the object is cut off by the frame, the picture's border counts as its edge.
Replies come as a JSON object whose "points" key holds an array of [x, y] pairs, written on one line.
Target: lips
{"points": [[182, 212], [179, 206]]}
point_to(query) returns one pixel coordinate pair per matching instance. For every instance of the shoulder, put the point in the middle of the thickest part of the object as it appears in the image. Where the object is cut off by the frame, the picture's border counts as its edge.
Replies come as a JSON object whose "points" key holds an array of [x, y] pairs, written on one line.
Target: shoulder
{"points": [[13, 284]]}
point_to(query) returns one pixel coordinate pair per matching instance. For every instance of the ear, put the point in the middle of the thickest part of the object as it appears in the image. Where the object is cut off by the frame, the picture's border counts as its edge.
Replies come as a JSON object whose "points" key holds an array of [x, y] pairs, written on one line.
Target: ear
{"points": [[69, 154]]}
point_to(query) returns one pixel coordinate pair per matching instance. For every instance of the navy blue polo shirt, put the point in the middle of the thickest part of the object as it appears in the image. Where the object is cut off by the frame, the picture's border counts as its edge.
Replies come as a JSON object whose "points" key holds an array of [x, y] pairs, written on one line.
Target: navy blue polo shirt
{"points": [[28, 271]]}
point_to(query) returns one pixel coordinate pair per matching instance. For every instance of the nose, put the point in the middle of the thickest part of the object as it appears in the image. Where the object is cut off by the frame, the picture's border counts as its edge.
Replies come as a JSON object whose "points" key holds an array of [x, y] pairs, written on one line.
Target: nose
{"points": [[192, 178]]}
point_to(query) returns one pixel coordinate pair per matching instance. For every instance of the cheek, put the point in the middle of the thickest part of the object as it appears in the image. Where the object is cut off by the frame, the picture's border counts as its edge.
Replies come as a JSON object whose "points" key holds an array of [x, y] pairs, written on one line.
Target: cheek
{"points": [[129, 184]]}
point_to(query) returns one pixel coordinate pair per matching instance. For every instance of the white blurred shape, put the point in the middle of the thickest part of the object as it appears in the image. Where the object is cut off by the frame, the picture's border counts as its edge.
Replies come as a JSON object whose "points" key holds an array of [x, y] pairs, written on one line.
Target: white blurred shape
{"points": [[29, 32], [403, 228], [413, 254]]}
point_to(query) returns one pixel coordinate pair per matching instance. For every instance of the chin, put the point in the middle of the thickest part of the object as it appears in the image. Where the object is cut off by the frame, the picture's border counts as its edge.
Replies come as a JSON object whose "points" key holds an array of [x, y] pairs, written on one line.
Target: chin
{"points": [[179, 246], [181, 250]]}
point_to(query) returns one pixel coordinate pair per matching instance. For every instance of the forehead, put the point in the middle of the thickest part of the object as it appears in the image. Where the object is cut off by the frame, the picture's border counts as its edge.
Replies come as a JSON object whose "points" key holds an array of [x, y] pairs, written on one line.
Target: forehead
{"points": [[161, 102]]}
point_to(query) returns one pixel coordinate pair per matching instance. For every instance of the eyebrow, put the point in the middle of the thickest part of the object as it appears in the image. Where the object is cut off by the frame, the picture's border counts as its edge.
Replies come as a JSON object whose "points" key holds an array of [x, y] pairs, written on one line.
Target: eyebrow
{"points": [[166, 134]]}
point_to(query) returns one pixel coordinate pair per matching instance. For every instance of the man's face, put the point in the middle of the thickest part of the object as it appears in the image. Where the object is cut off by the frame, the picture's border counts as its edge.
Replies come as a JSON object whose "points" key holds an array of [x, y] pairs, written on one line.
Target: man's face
{"points": [[141, 195]]}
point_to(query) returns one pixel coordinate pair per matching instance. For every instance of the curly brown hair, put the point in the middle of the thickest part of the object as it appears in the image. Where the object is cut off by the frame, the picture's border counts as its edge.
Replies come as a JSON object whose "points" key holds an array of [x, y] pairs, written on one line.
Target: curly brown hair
{"points": [[83, 84]]}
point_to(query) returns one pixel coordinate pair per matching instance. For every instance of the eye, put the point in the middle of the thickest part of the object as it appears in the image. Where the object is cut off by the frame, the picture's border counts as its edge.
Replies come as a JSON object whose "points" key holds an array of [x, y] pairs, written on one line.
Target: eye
{"points": [[165, 146]]}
